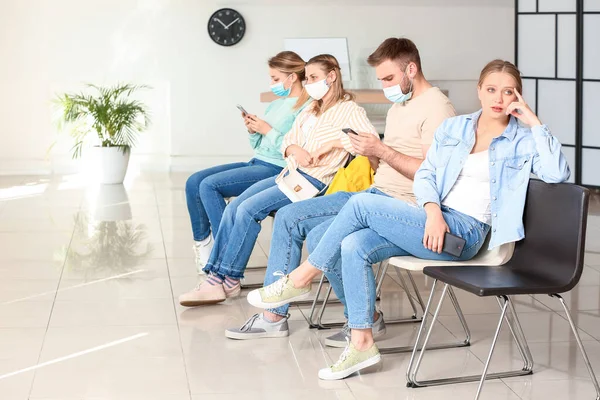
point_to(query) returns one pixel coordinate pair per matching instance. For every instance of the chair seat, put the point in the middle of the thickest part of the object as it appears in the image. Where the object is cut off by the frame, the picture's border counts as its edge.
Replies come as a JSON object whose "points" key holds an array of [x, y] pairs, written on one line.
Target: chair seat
{"points": [[493, 280], [498, 256]]}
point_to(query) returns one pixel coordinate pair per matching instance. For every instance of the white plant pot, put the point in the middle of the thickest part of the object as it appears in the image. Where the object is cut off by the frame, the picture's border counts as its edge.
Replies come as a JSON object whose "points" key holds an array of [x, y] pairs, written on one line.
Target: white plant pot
{"points": [[112, 164]]}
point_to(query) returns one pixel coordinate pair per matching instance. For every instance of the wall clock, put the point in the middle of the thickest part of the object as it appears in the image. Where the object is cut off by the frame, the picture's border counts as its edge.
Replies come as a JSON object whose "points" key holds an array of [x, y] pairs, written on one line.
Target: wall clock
{"points": [[226, 27]]}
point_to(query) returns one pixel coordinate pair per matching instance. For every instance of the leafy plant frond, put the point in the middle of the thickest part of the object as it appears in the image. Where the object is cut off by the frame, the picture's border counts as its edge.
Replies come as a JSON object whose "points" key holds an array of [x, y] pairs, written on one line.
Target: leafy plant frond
{"points": [[110, 114]]}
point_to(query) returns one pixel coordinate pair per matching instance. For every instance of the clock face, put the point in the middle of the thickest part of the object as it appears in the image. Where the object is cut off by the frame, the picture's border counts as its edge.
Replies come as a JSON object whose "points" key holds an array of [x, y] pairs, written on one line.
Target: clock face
{"points": [[226, 27]]}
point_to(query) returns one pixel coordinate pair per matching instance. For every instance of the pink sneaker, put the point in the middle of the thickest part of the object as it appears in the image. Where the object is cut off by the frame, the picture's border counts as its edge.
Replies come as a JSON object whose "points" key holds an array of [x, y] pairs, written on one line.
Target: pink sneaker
{"points": [[204, 293], [211, 291]]}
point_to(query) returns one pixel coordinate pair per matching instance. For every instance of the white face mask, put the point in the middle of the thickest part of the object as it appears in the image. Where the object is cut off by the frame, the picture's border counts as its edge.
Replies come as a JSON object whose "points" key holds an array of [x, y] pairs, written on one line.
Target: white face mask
{"points": [[317, 90]]}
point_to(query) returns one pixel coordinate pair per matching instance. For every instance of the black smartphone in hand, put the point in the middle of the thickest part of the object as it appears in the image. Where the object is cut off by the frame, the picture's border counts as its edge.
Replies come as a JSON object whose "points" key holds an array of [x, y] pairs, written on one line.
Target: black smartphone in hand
{"points": [[348, 131], [453, 245]]}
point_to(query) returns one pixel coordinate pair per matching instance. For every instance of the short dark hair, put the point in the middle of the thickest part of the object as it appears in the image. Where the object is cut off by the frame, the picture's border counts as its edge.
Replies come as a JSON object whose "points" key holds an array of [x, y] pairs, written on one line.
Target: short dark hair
{"points": [[401, 50]]}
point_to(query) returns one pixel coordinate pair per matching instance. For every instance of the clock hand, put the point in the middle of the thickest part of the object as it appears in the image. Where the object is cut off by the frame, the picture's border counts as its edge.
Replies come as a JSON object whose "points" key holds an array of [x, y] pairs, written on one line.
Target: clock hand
{"points": [[234, 21], [221, 22]]}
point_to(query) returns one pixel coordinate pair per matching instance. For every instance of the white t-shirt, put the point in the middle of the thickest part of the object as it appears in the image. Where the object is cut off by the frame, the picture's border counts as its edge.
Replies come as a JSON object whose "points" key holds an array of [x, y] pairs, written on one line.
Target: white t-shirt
{"points": [[470, 194]]}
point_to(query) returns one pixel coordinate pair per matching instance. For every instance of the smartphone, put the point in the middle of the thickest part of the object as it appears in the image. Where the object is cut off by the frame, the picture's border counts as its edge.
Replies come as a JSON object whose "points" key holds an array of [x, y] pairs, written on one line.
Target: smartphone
{"points": [[242, 110], [453, 245], [348, 131]]}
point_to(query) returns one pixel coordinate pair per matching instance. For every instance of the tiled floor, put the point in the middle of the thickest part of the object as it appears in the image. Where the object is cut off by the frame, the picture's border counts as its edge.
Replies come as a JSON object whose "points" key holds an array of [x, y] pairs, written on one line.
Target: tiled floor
{"points": [[88, 282]]}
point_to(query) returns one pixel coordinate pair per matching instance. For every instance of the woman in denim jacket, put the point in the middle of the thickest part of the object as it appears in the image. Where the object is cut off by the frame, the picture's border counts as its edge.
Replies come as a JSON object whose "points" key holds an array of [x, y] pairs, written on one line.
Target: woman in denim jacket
{"points": [[473, 181]]}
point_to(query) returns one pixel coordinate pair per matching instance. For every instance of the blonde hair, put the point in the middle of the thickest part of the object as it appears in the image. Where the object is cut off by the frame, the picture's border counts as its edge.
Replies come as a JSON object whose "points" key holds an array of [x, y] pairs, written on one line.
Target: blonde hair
{"points": [[329, 63], [289, 62], [502, 66]]}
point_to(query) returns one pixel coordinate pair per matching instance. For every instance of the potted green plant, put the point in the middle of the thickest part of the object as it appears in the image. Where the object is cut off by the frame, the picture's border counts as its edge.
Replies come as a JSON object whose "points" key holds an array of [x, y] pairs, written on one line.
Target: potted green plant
{"points": [[107, 118]]}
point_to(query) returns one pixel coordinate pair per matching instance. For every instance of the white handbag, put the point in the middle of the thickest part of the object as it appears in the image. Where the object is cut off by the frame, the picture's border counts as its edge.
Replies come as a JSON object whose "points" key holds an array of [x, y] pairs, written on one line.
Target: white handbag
{"points": [[295, 186]]}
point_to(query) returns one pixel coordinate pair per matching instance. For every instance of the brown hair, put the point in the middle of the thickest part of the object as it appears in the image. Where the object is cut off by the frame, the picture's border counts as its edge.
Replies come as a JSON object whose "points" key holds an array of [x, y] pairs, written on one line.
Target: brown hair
{"points": [[502, 66], [401, 50], [289, 62], [329, 63]]}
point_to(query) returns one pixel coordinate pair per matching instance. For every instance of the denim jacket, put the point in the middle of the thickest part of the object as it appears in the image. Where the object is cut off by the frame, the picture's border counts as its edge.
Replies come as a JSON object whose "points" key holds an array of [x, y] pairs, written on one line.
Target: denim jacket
{"points": [[513, 156]]}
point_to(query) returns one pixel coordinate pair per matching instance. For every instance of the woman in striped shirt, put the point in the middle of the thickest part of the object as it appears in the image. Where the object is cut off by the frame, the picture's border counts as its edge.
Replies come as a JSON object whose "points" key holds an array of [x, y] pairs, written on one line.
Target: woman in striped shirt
{"points": [[316, 146]]}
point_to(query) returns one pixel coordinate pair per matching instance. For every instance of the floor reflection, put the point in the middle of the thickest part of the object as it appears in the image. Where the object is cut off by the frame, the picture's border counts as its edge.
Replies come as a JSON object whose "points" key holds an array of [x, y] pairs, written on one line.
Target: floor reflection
{"points": [[65, 333], [105, 237]]}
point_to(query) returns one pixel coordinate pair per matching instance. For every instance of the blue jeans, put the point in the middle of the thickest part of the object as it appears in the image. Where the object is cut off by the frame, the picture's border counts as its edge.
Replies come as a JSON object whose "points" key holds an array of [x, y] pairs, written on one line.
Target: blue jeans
{"points": [[206, 190], [296, 222], [240, 226], [372, 228]]}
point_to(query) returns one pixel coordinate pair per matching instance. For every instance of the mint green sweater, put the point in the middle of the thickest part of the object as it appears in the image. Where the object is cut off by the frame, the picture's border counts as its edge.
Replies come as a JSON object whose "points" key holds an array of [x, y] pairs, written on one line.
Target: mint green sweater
{"points": [[280, 115]]}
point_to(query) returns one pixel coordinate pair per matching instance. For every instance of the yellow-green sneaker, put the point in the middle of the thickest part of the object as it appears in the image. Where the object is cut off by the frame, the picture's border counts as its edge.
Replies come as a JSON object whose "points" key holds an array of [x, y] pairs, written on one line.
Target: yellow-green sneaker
{"points": [[277, 294], [351, 361]]}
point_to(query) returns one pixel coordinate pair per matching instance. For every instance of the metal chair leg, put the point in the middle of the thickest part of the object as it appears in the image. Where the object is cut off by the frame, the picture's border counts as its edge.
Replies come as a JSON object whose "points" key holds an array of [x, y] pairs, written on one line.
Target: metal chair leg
{"points": [[327, 325], [336, 324], [378, 271], [380, 275], [383, 267], [405, 288], [413, 371], [580, 344], [414, 285], [413, 348], [310, 321], [492, 347], [419, 333], [518, 335], [528, 355], [414, 317], [461, 316]]}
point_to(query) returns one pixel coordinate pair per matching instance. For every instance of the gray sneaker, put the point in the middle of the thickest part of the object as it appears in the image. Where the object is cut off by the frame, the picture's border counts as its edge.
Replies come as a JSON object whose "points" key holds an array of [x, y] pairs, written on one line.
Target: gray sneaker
{"points": [[341, 338], [256, 327]]}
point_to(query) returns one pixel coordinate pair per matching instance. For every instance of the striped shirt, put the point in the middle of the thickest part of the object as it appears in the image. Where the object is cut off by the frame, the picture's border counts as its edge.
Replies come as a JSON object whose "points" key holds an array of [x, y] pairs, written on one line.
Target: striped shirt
{"points": [[311, 132]]}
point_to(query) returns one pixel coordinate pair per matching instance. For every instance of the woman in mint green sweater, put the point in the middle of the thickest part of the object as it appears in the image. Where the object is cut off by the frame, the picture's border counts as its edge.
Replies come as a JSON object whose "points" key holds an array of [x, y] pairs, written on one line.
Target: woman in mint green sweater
{"points": [[206, 190]]}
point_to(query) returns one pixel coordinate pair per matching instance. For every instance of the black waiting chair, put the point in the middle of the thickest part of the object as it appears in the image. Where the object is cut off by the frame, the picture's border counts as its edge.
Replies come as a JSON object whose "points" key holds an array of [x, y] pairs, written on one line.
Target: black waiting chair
{"points": [[548, 261]]}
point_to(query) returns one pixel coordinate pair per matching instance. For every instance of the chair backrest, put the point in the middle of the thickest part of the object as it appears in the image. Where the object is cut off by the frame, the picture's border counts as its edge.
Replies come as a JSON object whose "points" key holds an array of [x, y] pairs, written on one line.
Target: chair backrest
{"points": [[555, 222]]}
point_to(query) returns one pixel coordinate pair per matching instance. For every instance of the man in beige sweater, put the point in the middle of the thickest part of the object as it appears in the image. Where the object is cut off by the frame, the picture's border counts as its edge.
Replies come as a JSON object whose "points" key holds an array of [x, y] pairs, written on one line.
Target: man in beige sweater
{"points": [[418, 109]]}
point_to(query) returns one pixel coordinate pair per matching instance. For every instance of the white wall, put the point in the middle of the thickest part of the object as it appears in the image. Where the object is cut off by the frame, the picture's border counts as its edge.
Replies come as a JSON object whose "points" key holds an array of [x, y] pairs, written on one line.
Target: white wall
{"points": [[52, 46]]}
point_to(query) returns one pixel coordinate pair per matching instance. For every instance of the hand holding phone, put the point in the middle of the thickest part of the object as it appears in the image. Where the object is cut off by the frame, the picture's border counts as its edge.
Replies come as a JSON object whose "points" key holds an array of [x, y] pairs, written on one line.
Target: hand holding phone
{"points": [[257, 125], [453, 245], [244, 112], [348, 131]]}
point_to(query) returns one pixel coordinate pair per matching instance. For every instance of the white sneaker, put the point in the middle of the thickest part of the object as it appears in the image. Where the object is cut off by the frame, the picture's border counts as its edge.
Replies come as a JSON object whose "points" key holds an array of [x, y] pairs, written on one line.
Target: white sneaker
{"points": [[202, 251]]}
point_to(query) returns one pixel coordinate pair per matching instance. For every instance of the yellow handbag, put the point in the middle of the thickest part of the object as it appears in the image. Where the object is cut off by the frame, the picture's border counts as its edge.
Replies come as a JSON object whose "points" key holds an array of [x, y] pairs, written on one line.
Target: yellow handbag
{"points": [[356, 177]]}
